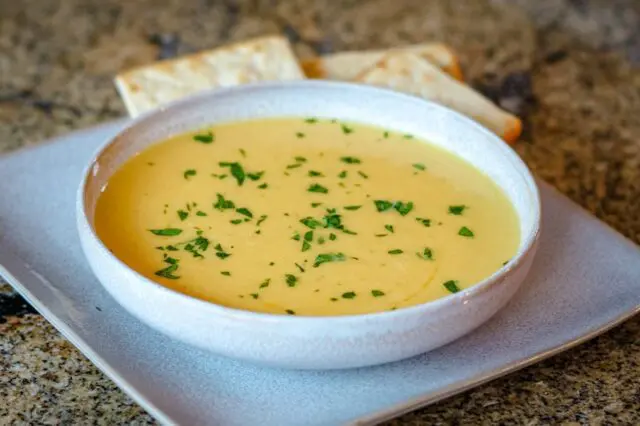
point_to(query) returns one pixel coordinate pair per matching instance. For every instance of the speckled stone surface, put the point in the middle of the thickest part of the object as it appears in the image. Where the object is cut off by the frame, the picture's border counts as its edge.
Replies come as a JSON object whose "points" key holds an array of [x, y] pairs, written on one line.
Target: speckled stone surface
{"points": [[570, 68]]}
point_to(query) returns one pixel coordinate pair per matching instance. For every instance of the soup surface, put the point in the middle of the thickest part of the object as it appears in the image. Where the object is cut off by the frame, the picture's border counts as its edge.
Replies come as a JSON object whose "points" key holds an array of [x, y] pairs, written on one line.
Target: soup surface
{"points": [[306, 217]]}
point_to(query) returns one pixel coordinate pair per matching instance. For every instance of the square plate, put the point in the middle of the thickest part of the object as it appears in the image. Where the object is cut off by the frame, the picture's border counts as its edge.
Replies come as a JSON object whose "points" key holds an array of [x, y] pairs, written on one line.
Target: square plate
{"points": [[585, 280]]}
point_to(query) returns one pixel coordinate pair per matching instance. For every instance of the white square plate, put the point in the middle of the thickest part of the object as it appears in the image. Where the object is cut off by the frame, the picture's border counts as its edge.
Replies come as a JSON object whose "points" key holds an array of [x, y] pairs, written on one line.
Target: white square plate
{"points": [[585, 280]]}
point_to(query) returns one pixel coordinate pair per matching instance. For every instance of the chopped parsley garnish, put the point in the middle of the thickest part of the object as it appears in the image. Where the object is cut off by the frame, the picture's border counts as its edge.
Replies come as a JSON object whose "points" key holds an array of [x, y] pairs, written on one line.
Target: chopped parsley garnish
{"points": [[315, 204], [311, 120], [334, 299], [204, 138], [236, 171], [381, 235], [457, 210], [308, 236], [244, 211], [183, 214], [261, 219], [425, 222], [294, 166], [363, 174], [300, 159], [505, 263], [350, 160], [235, 221], [426, 254], [310, 222], [299, 267], [332, 237], [315, 173], [225, 273], [254, 295], [300, 135], [346, 129], [389, 228], [420, 166], [352, 207], [263, 186], [377, 293], [348, 295], [343, 174], [328, 257], [306, 246], [296, 237], [166, 232], [395, 251], [220, 252], [291, 280], [317, 188], [242, 152], [188, 173], [200, 213], [321, 240], [168, 272], [452, 286], [223, 204], [403, 208], [265, 283], [290, 312], [382, 205], [255, 176], [385, 135], [465, 232]]}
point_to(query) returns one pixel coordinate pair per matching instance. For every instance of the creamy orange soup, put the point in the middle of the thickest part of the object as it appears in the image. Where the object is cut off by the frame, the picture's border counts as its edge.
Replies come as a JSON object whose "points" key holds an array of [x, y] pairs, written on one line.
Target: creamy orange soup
{"points": [[306, 217]]}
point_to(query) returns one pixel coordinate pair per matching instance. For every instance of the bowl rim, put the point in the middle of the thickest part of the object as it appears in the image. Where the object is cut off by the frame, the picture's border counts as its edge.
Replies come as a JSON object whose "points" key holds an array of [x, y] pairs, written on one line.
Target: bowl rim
{"points": [[527, 244]]}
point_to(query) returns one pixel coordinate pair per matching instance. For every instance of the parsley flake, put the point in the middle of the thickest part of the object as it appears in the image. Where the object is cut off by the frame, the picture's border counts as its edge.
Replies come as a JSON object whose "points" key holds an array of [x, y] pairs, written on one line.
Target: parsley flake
{"points": [[457, 210], [348, 295], [377, 293], [314, 173], [426, 254], [188, 173], [466, 232], [350, 160], [236, 171], [328, 257], [291, 280], [223, 204], [182, 214], [352, 207], [166, 232], [317, 188], [395, 251], [204, 138], [425, 222], [420, 166], [452, 286], [168, 272], [265, 283], [244, 211]]}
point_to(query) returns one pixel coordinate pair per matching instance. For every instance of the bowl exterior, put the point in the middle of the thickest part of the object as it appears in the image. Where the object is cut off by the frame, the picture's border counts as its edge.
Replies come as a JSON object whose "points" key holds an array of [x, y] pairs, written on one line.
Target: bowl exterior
{"points": [[313, 342]]}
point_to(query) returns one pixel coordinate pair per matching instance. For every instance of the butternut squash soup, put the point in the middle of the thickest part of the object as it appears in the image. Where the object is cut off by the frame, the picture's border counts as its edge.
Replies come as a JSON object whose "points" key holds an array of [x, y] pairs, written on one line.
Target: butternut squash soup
{"points": [[306, 216]]}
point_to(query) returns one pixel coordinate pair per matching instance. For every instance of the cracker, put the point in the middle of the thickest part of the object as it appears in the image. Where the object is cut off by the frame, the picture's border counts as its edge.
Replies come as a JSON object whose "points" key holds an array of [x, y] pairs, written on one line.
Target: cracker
{"points": [[348, 65], [410, 73], [262, 59]]}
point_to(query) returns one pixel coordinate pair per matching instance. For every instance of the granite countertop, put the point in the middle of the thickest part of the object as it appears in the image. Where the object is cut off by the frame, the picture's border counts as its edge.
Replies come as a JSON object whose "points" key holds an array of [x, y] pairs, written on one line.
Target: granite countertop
{"points": [[570, 68]]}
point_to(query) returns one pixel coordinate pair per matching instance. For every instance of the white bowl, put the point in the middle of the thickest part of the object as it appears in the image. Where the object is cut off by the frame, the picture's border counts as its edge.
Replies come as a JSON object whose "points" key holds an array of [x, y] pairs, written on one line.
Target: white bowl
{"points": [[314, 342]]}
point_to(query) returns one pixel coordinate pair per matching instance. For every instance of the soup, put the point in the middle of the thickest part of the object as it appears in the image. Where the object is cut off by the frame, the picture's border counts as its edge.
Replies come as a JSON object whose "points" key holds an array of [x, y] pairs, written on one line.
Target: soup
{"points": [[306, 217]]}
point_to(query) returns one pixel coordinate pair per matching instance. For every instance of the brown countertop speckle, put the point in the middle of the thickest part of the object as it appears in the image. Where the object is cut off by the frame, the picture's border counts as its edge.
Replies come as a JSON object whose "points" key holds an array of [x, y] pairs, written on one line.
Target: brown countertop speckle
{"points": [[570, 68]]}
